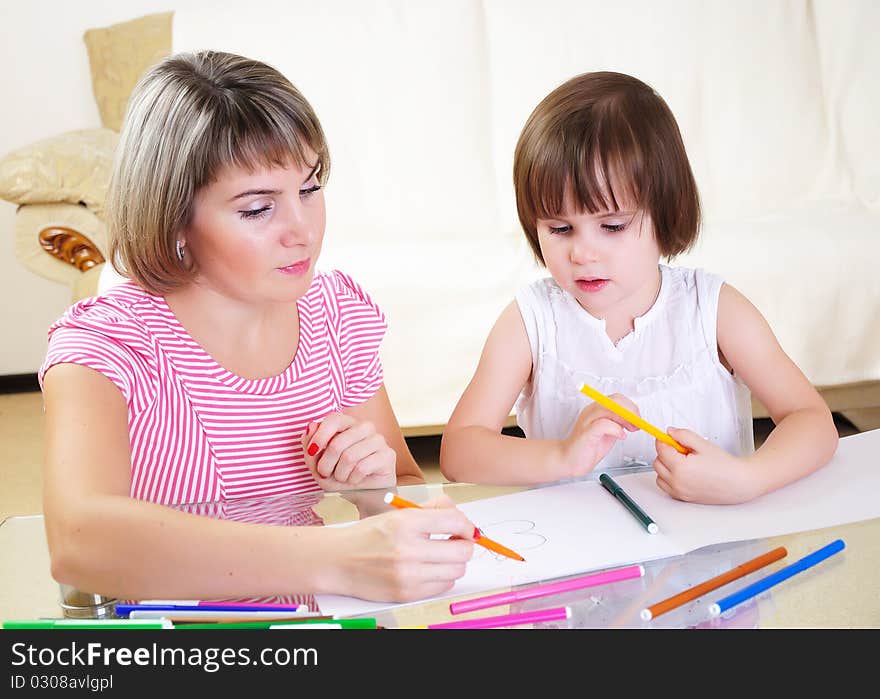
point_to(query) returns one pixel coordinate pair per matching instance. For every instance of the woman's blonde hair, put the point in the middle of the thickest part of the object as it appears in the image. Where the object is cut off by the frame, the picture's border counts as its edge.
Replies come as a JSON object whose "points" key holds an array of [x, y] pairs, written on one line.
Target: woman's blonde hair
{"points": [[190, 117], [598, 131]]}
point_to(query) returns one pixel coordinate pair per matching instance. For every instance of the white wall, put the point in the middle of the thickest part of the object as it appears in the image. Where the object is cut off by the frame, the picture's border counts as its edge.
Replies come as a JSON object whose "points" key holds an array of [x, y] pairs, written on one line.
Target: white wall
{"points": [[45, 89]]}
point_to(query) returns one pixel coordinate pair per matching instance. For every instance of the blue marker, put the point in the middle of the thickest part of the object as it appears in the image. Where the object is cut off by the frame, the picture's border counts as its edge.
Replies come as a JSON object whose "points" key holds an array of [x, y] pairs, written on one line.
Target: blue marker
{"points": [[756, 588]]}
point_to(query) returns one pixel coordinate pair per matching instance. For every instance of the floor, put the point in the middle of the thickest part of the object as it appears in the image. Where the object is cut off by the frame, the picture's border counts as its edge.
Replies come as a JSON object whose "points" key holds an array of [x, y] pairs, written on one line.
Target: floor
{"points": [[21, 444]]}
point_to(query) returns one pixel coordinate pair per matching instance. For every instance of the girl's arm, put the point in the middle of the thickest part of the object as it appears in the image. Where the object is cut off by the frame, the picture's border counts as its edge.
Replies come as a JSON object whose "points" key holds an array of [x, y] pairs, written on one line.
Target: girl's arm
{"points": [[473, 448], [805, 437], [101, 540]]}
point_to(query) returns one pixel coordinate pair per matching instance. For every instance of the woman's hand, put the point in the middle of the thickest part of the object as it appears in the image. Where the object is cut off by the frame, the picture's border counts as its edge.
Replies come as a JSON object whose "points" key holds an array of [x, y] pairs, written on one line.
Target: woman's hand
{"points": [[707, 475], [592, 437], [394, 557], [344, 454]]}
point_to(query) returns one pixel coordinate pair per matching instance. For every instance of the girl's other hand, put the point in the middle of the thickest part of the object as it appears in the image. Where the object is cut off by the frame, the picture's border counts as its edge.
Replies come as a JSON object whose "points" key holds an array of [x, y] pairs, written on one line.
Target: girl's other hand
{"points": [[708, 475], [595, 432], [343, 454], [393, 557]]}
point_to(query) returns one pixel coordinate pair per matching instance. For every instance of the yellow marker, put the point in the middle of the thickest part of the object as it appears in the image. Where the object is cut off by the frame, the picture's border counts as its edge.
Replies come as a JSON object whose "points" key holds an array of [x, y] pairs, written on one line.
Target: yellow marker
{"points": [[631, 417]]}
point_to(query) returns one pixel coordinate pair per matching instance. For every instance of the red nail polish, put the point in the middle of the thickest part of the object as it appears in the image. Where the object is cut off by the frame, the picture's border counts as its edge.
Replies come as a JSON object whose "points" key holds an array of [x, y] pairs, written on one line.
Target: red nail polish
{"points": [[477, 533], [313, 448]]}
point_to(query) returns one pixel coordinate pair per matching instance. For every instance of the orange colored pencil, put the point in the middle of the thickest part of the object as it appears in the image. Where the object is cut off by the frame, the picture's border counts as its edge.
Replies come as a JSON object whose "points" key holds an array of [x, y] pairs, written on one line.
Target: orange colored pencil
{"points": [[479, 537], [681, 598], [632, 418]]}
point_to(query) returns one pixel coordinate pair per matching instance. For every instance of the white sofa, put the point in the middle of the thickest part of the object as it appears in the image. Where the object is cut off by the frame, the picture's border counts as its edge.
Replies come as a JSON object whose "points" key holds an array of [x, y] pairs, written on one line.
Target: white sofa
{"points": [[422, 102]]}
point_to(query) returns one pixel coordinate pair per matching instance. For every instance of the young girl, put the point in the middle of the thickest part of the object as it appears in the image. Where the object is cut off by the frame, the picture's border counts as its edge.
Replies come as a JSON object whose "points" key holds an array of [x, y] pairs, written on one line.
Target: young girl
{"points": [[604, 190], [227, 368]]}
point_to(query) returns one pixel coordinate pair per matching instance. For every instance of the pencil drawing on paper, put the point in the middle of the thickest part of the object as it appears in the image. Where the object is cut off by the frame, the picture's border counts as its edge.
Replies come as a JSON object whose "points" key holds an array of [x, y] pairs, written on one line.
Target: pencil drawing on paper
{"points": [[518, 534]]}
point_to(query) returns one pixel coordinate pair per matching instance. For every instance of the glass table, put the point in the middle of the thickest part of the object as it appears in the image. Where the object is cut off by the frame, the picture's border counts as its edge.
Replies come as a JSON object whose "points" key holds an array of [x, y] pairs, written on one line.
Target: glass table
{"points": [[843, 594]]}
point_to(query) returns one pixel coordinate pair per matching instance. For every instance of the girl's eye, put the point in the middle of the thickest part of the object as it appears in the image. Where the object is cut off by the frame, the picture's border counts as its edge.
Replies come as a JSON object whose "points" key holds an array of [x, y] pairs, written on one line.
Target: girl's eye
{"points": [[559, 230], [309, 191], [250, 214]]}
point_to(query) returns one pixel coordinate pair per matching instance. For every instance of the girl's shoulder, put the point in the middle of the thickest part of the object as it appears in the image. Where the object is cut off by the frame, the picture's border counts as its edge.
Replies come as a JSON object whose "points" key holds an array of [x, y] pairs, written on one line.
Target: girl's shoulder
{"points": [[539, 294], [697, 282]]}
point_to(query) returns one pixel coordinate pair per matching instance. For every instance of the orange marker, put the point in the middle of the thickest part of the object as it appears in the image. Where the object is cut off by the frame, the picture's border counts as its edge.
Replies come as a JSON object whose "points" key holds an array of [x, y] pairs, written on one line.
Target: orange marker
{"points": [[479, 538], [751, 566], [632, 418]]}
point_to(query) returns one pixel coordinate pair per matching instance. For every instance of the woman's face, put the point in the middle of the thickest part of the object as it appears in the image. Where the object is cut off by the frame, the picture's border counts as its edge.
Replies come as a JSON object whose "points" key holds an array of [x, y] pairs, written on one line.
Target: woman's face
{"points": [[255, 235]]}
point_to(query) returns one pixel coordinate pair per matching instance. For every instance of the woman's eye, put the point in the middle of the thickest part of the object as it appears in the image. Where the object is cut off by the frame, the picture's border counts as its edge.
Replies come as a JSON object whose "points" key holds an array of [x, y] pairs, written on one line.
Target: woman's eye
{"points": [[309, 190], [613, 227], [255, 213]]}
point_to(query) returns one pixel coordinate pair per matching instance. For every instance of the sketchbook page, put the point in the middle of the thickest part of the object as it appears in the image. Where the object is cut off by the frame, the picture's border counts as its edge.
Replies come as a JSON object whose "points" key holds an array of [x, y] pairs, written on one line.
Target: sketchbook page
{"points": [[844, 490], [560, 530]]}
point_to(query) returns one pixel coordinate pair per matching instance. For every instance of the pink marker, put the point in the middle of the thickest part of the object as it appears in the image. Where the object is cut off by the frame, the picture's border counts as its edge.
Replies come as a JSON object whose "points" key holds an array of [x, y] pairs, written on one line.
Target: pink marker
{"points": [[607, 576], [494, 622]]}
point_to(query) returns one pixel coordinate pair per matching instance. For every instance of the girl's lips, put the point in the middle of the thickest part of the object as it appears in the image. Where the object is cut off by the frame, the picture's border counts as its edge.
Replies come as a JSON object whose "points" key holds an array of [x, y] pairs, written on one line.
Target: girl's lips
{"points": [[591, 285], [296, 268]]}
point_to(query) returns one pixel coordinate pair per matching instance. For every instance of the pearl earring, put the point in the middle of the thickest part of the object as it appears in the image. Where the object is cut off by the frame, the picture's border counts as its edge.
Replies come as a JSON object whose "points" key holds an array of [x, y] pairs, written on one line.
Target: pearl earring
{"points": [[179, 248]]}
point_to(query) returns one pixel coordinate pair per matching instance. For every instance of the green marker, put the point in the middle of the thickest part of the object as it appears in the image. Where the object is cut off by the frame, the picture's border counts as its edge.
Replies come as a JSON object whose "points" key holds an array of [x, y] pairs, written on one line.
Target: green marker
{"points": [[611, 486], [89, 624]]}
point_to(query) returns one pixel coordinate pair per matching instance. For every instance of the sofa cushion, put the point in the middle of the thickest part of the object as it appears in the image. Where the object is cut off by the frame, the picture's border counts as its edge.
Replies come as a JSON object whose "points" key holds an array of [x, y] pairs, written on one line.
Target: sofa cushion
{"points": [[118, 56], [73, 167]]}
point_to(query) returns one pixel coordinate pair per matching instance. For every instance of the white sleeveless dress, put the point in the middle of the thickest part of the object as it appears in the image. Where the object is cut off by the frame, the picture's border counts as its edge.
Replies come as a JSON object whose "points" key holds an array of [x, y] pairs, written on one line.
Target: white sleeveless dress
{"points": [[668, 366]]}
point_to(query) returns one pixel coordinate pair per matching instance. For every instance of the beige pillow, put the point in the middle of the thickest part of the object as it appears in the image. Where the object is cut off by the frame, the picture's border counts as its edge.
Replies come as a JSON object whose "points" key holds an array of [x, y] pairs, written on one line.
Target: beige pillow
{"points": [[119, 54], [72, 167]]}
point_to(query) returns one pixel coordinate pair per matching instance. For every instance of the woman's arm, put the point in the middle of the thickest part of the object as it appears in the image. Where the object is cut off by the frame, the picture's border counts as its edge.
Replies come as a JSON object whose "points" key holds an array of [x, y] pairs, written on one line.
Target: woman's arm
{"points": [[102, 540], [378, 411]]}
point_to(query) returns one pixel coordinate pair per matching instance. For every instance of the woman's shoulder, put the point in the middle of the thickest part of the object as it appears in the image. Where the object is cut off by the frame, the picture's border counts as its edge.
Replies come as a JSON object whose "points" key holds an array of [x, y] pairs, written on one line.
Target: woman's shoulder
{"points": [[342, 284], [116, 313], [343, 296]]}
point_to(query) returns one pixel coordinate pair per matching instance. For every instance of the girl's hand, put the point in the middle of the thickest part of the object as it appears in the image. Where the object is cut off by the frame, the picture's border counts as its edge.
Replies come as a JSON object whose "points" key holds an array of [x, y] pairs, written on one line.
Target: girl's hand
{"points": [[708, 475], [343, 454], [592, 437], [393, 557]]}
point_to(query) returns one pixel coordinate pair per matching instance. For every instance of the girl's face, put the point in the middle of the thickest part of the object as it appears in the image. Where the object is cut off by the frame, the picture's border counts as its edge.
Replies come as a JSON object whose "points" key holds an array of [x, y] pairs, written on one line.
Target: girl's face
{"points": [[256, 235], [609, 261]]}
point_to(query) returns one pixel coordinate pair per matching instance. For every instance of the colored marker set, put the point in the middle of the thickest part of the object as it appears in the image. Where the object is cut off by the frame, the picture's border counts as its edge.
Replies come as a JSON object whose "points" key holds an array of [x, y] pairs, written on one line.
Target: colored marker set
{"points": [[750, 591], [610, 576], [156, 616], [195, 614]]}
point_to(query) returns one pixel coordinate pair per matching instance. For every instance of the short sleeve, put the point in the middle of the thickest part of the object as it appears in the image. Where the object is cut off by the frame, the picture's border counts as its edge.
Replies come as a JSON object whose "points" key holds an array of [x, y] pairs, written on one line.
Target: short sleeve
{"points": [[532, 303], [359, 326], [93, 334], [708, 288]]}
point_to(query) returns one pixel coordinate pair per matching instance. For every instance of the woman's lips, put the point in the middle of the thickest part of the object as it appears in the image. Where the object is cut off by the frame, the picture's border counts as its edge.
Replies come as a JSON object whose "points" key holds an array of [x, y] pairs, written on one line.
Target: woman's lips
{"points": [[591, 285], [297, 268]]}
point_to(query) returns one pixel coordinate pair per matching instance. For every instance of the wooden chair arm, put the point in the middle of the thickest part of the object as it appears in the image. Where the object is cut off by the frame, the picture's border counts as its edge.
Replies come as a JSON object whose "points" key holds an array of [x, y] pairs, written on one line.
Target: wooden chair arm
{"points": [[70, 246]]}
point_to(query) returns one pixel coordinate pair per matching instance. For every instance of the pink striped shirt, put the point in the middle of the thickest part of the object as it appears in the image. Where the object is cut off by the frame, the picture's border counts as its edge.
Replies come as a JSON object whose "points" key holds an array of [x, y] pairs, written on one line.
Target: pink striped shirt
{"points": [[201, 433]]}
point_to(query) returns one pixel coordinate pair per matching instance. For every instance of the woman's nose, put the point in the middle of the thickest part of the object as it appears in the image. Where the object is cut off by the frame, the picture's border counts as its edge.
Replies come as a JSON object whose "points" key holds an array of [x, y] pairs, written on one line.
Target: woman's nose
{"points": [[296, 227]]}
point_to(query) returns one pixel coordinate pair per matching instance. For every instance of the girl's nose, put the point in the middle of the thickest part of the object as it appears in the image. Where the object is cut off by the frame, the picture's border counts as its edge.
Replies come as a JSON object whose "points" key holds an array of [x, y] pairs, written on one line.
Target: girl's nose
{"points": [[582, 251]]}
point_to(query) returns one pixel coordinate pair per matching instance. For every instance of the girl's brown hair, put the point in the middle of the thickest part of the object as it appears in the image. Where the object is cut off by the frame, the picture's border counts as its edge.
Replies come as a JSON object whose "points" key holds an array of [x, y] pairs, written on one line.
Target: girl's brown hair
{"points": [[601, 131], [190, 117]]}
